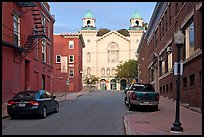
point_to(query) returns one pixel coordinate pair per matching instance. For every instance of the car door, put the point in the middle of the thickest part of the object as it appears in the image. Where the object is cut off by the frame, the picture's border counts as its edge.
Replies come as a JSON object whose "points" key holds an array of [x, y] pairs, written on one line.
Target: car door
{"points": [[51, 101], [46, 100]]}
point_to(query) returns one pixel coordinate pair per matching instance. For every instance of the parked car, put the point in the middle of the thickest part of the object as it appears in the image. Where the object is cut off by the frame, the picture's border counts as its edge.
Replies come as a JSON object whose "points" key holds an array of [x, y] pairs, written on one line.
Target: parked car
{"points": [[141, 95], [37, 102], [126, 89]]}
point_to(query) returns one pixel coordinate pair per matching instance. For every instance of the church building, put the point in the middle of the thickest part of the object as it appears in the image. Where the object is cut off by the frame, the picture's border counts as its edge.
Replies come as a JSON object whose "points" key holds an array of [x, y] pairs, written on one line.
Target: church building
{"points": [[102, 54]]}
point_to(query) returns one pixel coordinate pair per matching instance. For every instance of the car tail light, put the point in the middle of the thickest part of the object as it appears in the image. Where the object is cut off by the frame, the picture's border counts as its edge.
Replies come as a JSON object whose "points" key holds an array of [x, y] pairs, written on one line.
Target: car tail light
{"points": [[10, 103], [133, 96], [157, 97], [34, 103]]}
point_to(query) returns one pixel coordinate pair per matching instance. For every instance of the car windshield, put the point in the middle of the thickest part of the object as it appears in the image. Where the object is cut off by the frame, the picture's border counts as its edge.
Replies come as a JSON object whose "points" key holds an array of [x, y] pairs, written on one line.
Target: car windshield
{"points": [[26, 94], [143, 87]]}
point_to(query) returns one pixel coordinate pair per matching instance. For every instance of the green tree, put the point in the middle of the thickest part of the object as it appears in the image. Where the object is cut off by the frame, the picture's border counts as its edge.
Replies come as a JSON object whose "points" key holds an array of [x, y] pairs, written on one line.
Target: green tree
{"points": [[128, 70], [91, 80], [102, 31], [124, 32]]}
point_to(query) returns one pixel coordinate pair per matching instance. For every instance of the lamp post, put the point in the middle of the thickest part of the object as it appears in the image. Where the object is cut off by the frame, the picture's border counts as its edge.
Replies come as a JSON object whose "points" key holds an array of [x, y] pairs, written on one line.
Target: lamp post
{"points": [[90, 80], [179, 41]]}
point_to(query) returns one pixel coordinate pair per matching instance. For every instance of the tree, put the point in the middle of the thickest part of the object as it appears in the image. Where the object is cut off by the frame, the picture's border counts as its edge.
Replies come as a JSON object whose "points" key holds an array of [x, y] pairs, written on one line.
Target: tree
{"points": [[124, 32], [127, 70], [102, 32], [91, 80]]}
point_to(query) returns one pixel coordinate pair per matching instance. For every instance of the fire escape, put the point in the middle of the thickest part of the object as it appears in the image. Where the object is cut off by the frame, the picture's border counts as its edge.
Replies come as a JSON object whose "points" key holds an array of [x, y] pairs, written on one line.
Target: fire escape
{"points": [[38, 33]]}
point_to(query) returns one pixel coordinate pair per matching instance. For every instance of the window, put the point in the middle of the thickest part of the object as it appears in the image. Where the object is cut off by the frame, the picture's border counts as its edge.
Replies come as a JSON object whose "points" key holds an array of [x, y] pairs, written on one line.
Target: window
{"points": [[49, 54], [113, 71], [43, 24], [108, 71], [200, 75], [185, 82], [102, 71], [71, 44], [167, 88], [171, 86], [43, 50], [189, 41], [16, 30], [88, 57], [176, 9], [71, 73], [113, 52], [43, 82], [71, 58], [169, 58], [192, 79], [48, 29], [58, 58], [36, 52], [88, 71], [169, 15]]}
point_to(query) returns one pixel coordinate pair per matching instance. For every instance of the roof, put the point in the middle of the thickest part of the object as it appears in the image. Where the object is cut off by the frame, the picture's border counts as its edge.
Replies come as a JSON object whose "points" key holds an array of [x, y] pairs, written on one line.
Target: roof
{"points": [[111, 32], [88, 14], [136, 15]]}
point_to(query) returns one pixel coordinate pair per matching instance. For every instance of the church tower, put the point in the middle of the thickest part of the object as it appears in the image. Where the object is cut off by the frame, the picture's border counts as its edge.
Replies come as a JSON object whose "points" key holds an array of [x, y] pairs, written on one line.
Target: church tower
{"points": [[136, 29], [89, 21], [89, 32]]}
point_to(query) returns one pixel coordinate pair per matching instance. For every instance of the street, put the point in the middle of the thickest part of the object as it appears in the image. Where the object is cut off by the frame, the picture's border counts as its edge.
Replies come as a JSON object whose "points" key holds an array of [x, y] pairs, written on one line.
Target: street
{"points": [[98, 113], [104, 113]]}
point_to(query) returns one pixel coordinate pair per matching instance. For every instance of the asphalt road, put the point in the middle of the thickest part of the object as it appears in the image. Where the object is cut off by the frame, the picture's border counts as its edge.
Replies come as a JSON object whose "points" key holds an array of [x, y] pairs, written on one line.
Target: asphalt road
{"points": [[98, 113]]}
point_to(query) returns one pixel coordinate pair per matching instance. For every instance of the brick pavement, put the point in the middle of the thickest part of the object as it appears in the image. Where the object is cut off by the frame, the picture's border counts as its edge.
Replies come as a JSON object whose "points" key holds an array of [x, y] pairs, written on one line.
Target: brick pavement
{"points": [[160, 122]]}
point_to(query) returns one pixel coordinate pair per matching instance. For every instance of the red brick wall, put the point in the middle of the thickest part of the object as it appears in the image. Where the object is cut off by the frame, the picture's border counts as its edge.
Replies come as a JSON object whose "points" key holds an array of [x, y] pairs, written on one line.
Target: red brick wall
{"points": [[17, 76], [189, 94], [61, 48]]}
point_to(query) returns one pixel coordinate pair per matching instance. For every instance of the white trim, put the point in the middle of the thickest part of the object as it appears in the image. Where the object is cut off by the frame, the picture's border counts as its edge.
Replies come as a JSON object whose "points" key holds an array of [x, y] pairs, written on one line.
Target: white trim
{"points": [[69, 58], [56, 59], [187, 18]]}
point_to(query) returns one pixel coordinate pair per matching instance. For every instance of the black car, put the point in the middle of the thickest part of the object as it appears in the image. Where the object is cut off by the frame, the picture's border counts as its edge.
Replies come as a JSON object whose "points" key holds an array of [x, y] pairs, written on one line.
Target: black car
{"points": [[37, 102]]}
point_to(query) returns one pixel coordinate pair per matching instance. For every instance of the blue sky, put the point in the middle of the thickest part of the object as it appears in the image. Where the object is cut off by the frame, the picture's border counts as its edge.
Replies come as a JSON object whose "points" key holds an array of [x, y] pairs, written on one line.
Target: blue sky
{"points": [[110, 15]]}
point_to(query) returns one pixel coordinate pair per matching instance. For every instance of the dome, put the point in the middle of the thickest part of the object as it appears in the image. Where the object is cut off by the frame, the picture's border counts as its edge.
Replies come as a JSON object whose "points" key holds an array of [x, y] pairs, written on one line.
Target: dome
{"points": [[136, 15], [88, 14]]}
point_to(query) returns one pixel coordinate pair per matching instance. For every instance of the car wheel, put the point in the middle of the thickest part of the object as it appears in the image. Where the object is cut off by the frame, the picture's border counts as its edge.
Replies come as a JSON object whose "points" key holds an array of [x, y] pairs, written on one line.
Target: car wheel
{"points": [[13, 116], [57, 108], [44, 113], [126, 101], [130, 106]]}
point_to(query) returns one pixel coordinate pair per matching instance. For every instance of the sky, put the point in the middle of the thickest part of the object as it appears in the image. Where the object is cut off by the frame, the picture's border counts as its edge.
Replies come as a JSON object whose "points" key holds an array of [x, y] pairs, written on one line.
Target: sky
{"points": [[109, 15]]}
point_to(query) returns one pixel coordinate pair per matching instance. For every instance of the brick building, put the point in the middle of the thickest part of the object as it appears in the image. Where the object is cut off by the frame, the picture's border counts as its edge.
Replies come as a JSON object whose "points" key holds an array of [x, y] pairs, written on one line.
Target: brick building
{"points": [[67, 62], [158, 52], [27, 47]]}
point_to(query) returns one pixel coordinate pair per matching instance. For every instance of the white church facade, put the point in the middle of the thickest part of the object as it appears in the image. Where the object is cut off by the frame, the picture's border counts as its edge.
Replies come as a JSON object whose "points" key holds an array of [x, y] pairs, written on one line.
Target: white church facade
{"points": [[102, 54]]}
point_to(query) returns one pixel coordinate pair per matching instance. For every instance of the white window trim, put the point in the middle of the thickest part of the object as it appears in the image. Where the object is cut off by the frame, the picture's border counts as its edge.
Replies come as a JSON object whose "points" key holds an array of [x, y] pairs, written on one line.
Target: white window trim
{"points": [[18, 27], [70, 72], [44, 49], [70, 58], [56, 59], [70, 42]]}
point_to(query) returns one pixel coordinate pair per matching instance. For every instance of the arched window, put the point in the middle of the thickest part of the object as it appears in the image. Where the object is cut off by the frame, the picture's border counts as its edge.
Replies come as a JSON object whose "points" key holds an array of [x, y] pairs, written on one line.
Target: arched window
{"points": [[137, 23], [88, 57], [88, 71], [113, 52], [102, 71], [88, 23], [108, 71], [113, 71]]}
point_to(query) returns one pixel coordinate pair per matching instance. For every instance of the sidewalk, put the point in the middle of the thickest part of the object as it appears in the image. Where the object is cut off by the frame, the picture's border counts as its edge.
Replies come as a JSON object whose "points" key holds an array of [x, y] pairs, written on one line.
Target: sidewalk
{"points": [[60, 97], [160, 122]]}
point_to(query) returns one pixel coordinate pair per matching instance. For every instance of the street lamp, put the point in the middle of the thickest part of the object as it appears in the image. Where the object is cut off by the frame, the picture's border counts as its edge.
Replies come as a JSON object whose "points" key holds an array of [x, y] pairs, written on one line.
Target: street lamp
{"points": [[90, 80], [179, 41]]}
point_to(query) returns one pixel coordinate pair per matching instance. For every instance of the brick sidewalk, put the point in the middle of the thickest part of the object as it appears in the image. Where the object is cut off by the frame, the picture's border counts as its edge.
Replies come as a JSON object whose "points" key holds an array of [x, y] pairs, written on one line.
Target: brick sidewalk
{"points": [[160, 122]]}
